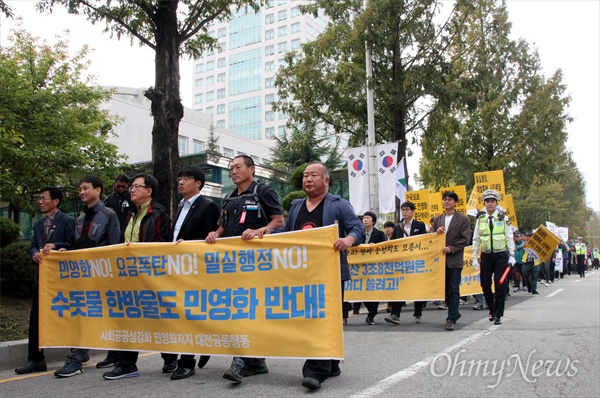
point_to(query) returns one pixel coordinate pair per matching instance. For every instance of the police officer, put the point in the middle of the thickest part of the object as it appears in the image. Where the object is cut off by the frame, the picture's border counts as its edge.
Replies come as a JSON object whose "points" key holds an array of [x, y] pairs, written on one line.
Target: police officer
{"points": [[249, 207], [580, 251], [494, 236]]}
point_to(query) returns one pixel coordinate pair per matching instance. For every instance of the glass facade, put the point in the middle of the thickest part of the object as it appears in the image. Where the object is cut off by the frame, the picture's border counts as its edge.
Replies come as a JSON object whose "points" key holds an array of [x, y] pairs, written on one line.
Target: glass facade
{"points": [[245, 117]]}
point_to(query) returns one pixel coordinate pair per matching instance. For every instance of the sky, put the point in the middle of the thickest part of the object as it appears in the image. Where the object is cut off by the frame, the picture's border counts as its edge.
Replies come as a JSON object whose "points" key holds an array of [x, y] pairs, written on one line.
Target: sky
{"points": [[566, 33]]}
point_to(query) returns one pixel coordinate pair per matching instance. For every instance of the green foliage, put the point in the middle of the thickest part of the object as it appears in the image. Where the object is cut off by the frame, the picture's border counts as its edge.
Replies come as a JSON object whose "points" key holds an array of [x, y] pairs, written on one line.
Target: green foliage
{"points": [[9, 231], [54, 129], [297, 175], [211, 145], [286, 202], [17, 270]]}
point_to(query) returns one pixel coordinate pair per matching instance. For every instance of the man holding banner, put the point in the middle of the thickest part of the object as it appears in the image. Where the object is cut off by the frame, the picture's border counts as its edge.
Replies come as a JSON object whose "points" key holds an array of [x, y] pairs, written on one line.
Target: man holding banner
{"points": [[457, 228], [319, 209], [494, 237]]}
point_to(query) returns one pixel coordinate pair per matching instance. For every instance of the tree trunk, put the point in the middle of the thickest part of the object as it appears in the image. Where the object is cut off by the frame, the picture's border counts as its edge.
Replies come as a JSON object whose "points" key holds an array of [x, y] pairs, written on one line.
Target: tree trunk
{"points": [[166, 106]]}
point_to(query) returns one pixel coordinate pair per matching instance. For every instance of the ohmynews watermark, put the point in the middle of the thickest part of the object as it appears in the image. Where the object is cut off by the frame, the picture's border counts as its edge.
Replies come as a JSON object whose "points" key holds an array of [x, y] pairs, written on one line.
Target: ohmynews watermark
{"points": [[530, 370]]}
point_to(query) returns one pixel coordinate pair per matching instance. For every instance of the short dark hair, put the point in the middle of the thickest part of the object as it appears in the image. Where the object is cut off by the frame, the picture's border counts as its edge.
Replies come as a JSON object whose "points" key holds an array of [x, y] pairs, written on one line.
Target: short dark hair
{"points": [[94, 180], [195, 172], [450, 194], [122, 178], [410, 205], [326, 172], [149, 181], [55, 193], [247, 160], [372, 215], [389, 224]]}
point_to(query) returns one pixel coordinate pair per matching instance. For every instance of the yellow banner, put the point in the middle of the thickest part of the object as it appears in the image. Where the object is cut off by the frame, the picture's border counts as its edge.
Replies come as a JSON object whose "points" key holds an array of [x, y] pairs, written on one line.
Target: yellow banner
{"points": [[421, 201], [470, 282], [435, 205], [233, 297], [461, 191], [483, 181], [509, 209], [542, 243], [404, 269]]}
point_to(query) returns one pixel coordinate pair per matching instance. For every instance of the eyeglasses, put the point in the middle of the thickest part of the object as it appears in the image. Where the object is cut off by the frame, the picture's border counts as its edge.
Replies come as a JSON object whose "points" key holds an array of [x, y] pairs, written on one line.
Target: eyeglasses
{"points": [[44, 198], [185, 178], [137, 186], [121, 186]]}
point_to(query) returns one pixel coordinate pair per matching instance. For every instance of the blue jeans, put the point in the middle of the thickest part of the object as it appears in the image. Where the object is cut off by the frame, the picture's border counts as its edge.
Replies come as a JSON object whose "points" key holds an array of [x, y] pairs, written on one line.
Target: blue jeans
{"points": [[453, 292]]}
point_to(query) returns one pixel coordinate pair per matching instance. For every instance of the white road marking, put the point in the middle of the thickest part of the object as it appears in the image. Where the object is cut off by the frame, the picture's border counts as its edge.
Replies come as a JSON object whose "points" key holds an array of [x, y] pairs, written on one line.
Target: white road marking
{"points": [[555, 293]]}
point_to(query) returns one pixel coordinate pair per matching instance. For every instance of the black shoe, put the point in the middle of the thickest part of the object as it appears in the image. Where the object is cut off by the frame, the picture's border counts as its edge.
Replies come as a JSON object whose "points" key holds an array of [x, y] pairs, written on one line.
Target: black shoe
{"points": [[491, 317], [534, 292], [70, 368], [311, 383], [32, 366], [255, 370], [498, 321], [110, 360], [169, 367], [370, 321], [449, 325], [182, 373], [203, 360], [235, 372], [335, 371], [120, 372]]}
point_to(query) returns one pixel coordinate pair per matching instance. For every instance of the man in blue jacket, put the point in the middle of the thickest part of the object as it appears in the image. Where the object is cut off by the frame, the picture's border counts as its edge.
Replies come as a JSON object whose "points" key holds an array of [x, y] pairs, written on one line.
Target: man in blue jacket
{"points": [[320, 208], [54, 231]]}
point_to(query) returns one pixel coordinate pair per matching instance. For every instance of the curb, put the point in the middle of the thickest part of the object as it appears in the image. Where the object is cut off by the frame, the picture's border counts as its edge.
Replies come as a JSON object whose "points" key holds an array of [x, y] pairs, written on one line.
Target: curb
{"points": [[14, 354]]}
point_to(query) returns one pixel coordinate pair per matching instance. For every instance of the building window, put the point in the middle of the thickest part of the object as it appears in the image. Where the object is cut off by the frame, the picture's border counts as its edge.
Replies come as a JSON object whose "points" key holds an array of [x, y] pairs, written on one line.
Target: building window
{"points": [[269, 132], [269, 98], [222, 32], [269, 66], [281, 130], [294, 12], [269, 50], [282, 115], [198, 146], [269, 34], [182, 144], [220, 93], [199, 68], [228, 152], [221, 47], [210, 80], [220, 109], [269, 116], [210, 65], [255, 158], [210, 96], [281, 63], [282, 31], [221, 63], [210, 51], [281, 15], [198, 99], [282, 47], [199, 82], [269, 3], [270, 82], [295, 27], [221, 123], [295, 44], [210, 110], [221, 77], [269, 19]]}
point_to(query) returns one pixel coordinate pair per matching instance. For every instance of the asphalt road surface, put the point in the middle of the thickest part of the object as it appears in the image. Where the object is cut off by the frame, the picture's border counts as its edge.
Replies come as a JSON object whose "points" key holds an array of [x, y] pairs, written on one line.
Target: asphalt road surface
{"points": [[548, 346]]}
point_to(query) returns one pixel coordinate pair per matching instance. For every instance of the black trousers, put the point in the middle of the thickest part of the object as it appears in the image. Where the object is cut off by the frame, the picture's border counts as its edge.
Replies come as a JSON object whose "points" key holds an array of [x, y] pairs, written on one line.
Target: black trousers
{"points": [[494, 264], [33, 346]]}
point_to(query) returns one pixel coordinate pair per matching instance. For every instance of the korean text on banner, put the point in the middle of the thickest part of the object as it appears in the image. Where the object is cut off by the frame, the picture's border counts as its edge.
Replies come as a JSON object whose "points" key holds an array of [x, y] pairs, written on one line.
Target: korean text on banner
{"points": [[401, 185], [470, 279], [461, 192], [542, 243], [483, 181], [358, 178], [387, 158], [421, 202], [233, 297], [404, 269]]}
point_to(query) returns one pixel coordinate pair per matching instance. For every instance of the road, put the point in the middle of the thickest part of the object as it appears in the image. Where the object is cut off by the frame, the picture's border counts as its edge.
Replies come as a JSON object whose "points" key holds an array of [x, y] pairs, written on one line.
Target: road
{"points": [[548, 346]]}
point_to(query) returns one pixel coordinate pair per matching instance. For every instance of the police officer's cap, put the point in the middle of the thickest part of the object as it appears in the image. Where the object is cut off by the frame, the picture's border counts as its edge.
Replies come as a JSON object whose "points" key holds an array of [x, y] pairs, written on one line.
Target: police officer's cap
{"points": [[490, 194]]}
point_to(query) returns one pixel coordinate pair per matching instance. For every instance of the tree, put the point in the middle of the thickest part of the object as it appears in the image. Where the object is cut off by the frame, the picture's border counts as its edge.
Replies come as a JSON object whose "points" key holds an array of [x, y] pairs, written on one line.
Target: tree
{"points": [[326, 81], [302, 146], [6, 10], [52, 126], [212, 144], [171, 32]]}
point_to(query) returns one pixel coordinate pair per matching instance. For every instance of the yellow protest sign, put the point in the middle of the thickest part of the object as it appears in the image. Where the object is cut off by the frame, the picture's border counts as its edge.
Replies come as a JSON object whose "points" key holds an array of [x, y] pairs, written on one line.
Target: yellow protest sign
{"points": [[483, 181], [421, 201], [406, 269], [470, 282], [542, 243], [509, 209], [461, 192], [233, 297], [435, 205]]}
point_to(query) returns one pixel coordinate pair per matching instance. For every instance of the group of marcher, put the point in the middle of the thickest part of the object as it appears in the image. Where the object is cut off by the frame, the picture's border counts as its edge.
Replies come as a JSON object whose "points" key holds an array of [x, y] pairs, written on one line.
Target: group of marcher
{"points": [[131, 214]]}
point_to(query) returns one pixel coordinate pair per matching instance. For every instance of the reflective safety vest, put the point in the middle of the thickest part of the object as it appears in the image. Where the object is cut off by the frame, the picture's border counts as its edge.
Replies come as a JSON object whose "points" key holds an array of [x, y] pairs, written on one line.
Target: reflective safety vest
{"points": [[580, 248], [496, 236], [597, 255]]}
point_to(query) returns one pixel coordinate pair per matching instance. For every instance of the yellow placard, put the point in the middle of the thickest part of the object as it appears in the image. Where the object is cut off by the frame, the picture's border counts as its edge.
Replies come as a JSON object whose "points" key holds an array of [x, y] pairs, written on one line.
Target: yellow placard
{"points": [[461, 192], [470, 282], [421, 201], [233, 297], [435, 205], [542, 243], [509, 209], [406, 269], [483, 181]]}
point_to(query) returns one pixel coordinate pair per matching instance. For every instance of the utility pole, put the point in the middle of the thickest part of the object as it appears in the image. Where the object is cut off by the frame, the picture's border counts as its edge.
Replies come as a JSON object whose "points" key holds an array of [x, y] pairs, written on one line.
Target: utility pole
{"points": [[371, 144]]}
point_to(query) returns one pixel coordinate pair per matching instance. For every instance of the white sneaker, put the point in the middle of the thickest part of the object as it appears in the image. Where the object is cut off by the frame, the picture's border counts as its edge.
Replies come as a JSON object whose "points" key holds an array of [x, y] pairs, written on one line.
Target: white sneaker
{"points": [[546, 284]]}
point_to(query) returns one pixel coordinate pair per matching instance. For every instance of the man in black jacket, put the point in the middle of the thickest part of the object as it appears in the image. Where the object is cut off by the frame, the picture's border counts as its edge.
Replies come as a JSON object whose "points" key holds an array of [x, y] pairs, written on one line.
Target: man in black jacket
{"points": [[120, 200], [407, 227], [54, 231], [195, 218], [372, 236]]}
